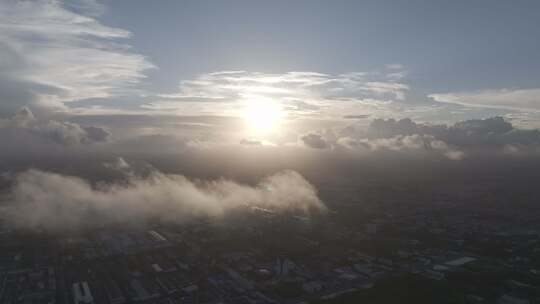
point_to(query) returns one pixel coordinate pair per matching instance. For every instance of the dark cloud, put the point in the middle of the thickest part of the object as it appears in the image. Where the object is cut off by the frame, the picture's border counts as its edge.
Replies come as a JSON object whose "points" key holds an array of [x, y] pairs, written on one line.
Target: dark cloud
{"points": [[315, 141], [491, 135], [488, 133], [24, 124], [249, 142], [67, 133], [96, 134], [356, 116]]}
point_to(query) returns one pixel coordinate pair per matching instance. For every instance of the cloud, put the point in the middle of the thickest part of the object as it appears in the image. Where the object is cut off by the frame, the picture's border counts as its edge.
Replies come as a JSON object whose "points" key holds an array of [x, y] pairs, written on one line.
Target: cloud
{"points": [[401, 136], [399, 143], [53, 53], [55, 202], [315, 141], [119, 165], [299, 105], [455, 154], [67, 133], [487, 133], [518, 99], [403, 143], [250, 142], [312, 95], [395, 66], [300, 92], [24, 124], [89, 7], [455, 141], [357, 116]]}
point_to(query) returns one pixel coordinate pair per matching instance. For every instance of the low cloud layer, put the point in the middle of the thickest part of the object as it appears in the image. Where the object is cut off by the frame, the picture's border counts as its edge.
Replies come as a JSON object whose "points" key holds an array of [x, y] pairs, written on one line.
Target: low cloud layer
{"points": [[491, 133], [452, 141], [403, 143], [54, 202]]}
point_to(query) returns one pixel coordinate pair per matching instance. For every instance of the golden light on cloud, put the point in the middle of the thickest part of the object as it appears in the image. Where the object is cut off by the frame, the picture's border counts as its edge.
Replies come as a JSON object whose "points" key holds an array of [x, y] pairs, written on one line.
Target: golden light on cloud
{"points": [[263, 116]]}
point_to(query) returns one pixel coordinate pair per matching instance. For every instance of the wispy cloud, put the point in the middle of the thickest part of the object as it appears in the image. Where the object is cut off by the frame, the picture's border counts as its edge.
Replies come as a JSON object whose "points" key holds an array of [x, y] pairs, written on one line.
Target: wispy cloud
{"points": [[303, 92], [53, 55], [517, 99]]}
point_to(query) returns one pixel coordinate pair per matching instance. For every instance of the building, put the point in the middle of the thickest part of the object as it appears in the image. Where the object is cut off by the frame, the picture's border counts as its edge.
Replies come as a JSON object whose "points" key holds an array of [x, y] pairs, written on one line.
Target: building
{"points": [[82, 294], [114, 294], [283, 267]]}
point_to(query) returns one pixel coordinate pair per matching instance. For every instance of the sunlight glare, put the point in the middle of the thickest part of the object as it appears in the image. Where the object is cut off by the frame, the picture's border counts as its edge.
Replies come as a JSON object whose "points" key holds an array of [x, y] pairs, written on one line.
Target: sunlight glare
{"points": [[263, 116]]}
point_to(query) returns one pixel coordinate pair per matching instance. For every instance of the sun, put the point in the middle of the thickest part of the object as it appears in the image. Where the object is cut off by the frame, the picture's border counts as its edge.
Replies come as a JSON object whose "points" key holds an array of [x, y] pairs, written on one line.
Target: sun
{"points": [[263, 116]]}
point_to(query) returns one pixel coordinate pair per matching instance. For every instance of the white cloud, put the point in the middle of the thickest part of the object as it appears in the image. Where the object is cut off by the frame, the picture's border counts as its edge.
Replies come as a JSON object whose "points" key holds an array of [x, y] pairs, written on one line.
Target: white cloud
{"points": [[119, 165], [58, 55], [402, 143], [519, 99], [54, 202], [455, 154], [298, 92]]}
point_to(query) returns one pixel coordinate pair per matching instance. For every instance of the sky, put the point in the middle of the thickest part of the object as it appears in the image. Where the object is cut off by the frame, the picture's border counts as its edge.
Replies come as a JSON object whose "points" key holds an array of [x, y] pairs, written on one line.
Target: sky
{"points": [[450, 46], [221, 88], [127, 55]]}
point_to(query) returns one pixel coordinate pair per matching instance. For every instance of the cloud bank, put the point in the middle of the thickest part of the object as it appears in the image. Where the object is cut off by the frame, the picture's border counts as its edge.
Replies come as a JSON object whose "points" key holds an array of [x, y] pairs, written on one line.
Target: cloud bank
{"points": [[489, 133], [403, 143], [26, 128], [55, 202]]}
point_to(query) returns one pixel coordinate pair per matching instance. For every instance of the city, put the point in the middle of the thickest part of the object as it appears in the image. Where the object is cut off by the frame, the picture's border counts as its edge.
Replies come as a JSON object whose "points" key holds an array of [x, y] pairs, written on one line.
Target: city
{"points": [[260, 256], [269, 152]]}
